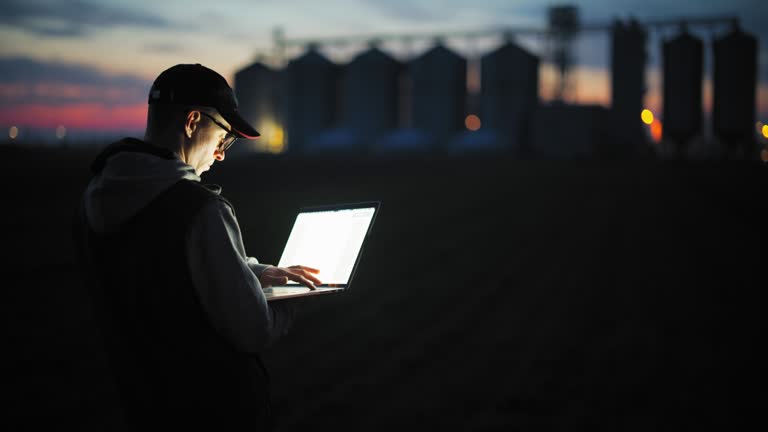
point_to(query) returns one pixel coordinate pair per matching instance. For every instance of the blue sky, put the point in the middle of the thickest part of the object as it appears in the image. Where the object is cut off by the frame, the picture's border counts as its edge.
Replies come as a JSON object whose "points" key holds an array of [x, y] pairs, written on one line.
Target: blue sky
{"points": [[92, 55]]}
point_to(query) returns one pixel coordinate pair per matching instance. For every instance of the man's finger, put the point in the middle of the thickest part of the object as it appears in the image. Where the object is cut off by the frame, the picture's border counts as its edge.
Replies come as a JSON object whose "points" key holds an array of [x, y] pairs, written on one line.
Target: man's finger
{"points": [[309, 276], [299, 270], [304, 281], [309, 269]]}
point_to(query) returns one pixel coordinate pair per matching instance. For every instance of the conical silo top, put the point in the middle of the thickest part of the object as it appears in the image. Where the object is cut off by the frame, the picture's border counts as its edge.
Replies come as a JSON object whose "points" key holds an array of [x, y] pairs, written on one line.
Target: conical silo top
{"points": [[684, 42], [440, 53], [255, 67], [737, 35], [510, 49], [312, 57], [373, 56]]}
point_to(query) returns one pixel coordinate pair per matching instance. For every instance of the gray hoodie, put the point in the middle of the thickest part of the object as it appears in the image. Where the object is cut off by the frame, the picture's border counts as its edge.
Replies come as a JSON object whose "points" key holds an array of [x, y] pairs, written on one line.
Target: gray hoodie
{"points": [[225, 279]]}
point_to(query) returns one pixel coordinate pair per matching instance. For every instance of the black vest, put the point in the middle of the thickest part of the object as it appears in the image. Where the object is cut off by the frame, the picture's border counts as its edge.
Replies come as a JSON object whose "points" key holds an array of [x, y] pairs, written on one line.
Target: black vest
{"points": [[170, 365]]}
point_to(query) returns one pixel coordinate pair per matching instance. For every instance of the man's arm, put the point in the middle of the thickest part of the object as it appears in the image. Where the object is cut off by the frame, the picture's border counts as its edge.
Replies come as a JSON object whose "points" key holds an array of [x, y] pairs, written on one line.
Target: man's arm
{"points": [[227, 284], [256, 267]]}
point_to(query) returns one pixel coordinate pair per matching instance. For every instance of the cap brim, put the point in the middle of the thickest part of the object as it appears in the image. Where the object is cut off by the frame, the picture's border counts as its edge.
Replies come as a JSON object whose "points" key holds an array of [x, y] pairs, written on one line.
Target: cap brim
{"points": [[240, 127]]}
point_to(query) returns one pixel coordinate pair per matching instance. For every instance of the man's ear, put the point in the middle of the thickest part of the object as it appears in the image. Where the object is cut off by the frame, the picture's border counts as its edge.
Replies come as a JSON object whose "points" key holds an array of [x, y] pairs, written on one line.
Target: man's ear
{"points": [[190, 123]]}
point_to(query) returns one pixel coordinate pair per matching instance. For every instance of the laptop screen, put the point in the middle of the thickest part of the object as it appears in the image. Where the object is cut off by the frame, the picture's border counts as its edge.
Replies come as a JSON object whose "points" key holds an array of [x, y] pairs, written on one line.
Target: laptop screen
{"points": [[328, 240]]}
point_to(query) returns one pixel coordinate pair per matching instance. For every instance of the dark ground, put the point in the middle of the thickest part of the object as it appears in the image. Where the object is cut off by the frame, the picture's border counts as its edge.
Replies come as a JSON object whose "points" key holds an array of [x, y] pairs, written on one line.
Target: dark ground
{"points": [[493, 295]]}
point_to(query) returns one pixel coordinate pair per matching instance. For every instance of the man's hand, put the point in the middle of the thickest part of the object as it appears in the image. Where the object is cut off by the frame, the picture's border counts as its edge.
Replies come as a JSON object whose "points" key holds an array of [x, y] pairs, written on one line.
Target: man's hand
{"points": [[280, 276]]}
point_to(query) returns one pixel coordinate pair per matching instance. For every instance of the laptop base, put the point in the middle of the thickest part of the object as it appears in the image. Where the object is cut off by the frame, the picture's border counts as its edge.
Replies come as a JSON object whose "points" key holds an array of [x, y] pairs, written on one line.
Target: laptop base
{"points": [[279, 293]]}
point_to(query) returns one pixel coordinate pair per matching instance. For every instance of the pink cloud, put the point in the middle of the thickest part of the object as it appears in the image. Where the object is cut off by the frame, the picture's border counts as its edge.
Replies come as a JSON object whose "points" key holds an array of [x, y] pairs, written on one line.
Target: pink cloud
{"points": [[64, 92], [93, 116]]}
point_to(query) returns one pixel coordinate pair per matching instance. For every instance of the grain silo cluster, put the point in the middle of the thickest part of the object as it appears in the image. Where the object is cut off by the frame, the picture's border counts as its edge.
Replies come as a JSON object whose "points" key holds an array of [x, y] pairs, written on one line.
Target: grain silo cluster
{"points": [[734, 80], [376, 104]]}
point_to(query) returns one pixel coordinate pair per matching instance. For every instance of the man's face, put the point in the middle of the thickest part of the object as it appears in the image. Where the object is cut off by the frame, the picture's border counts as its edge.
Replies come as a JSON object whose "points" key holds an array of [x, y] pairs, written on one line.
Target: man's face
{"points": [[205, 147]]}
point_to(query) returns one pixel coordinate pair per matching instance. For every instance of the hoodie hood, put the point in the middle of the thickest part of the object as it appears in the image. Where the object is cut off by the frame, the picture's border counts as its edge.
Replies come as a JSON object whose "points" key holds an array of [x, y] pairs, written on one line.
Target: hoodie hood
{"points": [[129, 174]]}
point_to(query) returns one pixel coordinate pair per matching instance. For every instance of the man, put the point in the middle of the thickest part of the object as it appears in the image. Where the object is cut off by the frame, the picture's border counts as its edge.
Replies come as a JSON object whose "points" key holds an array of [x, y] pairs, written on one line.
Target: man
{"points": [[183, 314]]}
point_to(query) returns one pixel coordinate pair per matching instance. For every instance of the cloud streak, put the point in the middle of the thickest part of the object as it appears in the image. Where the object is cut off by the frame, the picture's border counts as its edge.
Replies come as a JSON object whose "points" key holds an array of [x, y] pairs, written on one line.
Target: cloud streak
{"points": [[42, 94], [25, 80], [164, 48], [89, 116], [495, 11], [73, 18]]}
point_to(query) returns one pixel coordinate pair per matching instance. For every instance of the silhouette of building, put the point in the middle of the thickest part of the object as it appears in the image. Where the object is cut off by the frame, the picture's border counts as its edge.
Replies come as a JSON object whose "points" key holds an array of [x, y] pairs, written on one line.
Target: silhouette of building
{"points": [[682, 78], [438, 94], [369, 102], [376, 105], [509, 95], [735, 83], [371, 93], [563, 25], [257, 88], [311, 99], [628, 61]]}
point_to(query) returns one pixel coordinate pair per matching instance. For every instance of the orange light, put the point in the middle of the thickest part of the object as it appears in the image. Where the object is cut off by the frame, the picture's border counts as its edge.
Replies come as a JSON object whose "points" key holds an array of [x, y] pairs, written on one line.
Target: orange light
{"points": [[647, 116], [765, 131], [656, 130], [13, 132], [472, 122]]}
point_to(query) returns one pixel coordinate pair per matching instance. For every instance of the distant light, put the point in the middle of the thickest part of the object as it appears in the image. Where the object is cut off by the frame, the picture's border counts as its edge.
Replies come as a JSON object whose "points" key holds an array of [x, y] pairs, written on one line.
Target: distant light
{"points": [[472, 122], [61, 132], [13, 132], [277, 140], [656, 130], [647, 116], [765, 131]]}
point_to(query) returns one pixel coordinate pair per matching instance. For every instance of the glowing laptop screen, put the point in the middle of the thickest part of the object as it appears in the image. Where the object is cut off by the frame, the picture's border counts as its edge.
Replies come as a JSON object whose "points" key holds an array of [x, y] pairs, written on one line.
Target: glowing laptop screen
{"points": [[329, 241]]}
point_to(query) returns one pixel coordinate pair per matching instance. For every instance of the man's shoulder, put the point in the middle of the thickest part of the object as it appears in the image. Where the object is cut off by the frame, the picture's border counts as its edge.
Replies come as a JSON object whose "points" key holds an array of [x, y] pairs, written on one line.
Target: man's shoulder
{"points": [[191, 189], [180, 206], [200, 193]]}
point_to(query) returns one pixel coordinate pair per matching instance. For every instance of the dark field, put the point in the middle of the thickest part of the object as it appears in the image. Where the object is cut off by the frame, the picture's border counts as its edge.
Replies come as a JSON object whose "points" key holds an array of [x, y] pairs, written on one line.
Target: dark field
{"points": [[493, 295]]}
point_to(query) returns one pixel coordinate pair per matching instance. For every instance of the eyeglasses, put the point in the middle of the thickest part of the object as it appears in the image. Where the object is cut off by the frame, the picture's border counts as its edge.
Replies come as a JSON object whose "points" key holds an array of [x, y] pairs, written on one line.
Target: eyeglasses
{"points": [[228, 139]]}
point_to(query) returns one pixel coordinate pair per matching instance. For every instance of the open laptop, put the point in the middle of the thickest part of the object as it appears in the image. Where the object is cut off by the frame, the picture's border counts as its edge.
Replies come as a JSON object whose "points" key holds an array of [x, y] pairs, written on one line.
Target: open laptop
{"points": [[328, 238]]}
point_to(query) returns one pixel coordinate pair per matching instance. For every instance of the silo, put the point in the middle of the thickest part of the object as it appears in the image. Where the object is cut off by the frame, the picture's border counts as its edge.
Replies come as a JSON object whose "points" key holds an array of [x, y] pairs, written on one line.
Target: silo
{"points": [[509, 95], [438, 93], [682, 57], [370, 94], [256, 88], [310, 89], [628, 61], [735, 82]]}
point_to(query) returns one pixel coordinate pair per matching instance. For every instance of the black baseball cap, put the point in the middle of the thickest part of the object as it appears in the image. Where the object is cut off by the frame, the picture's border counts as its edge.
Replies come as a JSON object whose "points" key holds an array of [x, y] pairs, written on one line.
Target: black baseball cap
{"points": [[195, 84]]}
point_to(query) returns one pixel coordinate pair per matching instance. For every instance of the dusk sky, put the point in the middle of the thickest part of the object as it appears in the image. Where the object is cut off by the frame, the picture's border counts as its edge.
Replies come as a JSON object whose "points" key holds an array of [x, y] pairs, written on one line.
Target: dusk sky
{"points": [[87, 65]]}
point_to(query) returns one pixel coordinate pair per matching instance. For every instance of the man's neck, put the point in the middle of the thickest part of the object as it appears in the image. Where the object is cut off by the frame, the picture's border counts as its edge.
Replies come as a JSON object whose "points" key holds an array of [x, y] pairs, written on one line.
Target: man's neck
{"points": [[171, 143]]}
